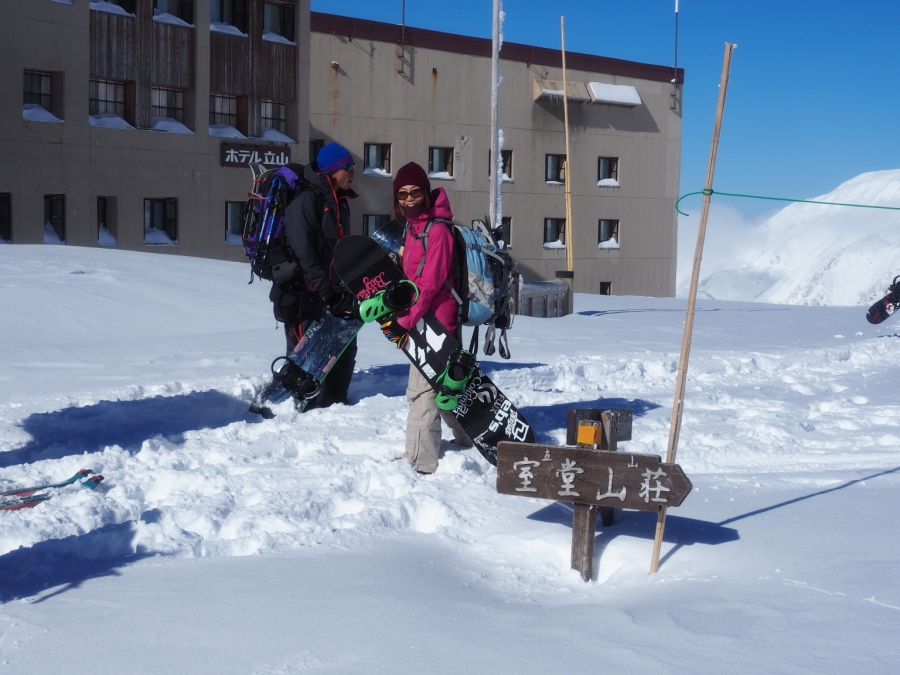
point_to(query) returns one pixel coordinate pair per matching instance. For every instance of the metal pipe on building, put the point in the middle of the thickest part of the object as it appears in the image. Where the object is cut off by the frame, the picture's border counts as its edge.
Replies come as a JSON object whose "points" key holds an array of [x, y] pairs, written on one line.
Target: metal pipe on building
{"points": [[570, 261], [494, 211]]}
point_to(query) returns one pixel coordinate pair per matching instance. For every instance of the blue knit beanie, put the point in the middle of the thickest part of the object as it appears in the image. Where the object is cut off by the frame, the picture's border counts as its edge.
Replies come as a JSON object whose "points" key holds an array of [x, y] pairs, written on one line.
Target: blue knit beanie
{"points": [[333, 157]]}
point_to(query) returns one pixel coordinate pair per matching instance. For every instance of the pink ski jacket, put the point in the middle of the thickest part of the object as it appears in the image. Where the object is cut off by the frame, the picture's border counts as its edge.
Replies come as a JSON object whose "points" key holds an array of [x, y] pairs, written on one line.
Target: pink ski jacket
{"points": [[433, 292]]}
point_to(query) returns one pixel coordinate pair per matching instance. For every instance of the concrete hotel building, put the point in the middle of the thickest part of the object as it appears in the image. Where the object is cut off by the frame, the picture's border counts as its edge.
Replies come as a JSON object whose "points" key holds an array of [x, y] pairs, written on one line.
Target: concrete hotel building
{"points": [[137, 118]]}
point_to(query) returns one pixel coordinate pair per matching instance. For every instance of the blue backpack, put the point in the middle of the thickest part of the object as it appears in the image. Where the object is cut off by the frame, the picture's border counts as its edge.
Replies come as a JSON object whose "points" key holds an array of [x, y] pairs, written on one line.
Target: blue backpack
{"points": [[484, 281]]}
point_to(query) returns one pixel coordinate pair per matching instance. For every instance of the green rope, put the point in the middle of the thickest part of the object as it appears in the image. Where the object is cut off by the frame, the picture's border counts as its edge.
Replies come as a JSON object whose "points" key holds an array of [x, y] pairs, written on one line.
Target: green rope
{"points": [[708, 192]]}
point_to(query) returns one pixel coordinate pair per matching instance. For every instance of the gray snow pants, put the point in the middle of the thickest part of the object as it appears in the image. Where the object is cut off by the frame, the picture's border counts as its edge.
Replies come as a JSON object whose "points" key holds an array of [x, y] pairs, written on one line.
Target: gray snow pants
{"points": [[423, 425]]}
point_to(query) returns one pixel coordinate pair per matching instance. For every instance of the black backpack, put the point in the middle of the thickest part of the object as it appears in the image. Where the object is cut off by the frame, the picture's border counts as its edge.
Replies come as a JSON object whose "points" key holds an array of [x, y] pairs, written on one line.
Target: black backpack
{"points": [[263, 215]]}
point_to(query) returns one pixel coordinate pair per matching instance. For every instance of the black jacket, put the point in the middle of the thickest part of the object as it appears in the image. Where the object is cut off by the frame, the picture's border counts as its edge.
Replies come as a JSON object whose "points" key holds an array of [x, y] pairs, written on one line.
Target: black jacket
{"points": [[313, 223]]}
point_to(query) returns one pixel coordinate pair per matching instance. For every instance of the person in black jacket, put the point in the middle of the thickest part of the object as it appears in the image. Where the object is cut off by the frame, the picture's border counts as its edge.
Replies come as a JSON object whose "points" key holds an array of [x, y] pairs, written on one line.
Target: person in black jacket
{"points": [[313, 223]]}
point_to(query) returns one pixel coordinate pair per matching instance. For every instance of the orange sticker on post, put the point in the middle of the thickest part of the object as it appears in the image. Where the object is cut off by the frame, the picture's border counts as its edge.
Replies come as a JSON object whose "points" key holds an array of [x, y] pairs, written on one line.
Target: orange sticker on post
{"points": [[589, 434]]}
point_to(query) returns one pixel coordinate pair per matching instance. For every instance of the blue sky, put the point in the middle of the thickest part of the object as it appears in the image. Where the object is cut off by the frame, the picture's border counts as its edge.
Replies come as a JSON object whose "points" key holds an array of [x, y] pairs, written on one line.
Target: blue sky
{"points": [[814, 97]]}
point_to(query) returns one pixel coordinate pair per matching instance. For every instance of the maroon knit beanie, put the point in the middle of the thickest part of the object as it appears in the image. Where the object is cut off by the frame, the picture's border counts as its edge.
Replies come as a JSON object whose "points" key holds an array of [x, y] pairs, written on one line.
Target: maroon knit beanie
{"points": [[412, 174]]}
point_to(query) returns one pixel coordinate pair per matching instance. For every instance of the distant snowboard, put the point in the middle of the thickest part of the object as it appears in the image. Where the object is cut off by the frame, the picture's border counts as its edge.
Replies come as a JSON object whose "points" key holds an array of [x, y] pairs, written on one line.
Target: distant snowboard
{"points": [[883, 308]]}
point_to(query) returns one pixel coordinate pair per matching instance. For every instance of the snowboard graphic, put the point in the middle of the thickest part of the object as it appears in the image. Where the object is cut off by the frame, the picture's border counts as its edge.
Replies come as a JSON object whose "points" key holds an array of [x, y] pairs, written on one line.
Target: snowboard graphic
{"points": [[882, 309], [320, 347], [483, 411]]}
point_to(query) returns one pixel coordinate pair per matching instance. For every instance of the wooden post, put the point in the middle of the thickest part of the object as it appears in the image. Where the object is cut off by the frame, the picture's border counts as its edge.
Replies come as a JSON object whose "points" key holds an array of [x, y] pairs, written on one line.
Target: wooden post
{"points": [[678, 406], [584, 527]]}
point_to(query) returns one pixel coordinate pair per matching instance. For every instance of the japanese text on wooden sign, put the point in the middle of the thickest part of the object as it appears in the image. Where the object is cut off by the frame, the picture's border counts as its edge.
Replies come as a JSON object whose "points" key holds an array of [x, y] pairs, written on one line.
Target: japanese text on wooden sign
{"points": [[241, 155], [628, 481]]}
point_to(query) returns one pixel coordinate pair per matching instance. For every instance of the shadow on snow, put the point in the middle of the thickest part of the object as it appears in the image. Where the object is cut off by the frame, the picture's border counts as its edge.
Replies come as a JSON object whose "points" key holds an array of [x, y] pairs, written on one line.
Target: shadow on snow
{"points": [[50, 568], [603, 312], [87, 429]]}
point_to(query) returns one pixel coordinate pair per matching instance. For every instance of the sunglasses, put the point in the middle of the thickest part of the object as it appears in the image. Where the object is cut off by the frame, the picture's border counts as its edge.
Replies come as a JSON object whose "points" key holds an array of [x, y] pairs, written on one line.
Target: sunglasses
{"points": [[416, 193], [349, 168]]}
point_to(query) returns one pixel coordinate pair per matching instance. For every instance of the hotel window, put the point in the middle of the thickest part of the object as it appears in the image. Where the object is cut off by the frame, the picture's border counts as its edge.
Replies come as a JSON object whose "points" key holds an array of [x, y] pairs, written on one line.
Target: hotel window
{"points": [[161, 222], [106, 225], [440, 162], [274, 115], [223, 110], [5, 217], [183, 9], [506, 156], [234, 224], [106, 97], [608, 171], [371, 224], [231, 12], [608, 229], [36, 88], [167, 103], [314, 146], [279, 19], [555, 230], [504, 232], [377, 157], [55, 219], [555, 169]]}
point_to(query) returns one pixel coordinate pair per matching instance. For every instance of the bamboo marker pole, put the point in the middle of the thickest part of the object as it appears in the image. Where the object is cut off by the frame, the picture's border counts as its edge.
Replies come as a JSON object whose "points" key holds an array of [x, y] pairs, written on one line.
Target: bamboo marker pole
{"points": [[570, 258], [678, 406]]}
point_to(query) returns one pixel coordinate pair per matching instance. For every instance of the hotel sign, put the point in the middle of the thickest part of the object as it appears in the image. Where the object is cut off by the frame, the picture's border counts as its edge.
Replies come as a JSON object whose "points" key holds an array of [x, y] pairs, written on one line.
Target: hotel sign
{"points": [[242, 155]]}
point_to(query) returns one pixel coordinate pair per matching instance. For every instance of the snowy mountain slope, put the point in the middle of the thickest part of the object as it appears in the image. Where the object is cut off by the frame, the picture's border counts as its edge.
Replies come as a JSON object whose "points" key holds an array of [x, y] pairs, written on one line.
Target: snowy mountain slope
{"points": [[810, 254], [299, 544]]}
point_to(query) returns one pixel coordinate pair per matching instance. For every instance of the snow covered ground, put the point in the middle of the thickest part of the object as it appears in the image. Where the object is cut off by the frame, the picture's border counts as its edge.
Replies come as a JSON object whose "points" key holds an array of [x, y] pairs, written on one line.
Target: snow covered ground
{"points": [[222, 543], [804, 254]]}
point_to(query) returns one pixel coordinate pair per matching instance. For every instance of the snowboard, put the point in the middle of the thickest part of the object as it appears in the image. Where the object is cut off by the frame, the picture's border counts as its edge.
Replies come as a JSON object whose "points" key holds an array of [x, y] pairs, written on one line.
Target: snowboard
{"points": [[882, 309], [320, 347], [483, 411]]}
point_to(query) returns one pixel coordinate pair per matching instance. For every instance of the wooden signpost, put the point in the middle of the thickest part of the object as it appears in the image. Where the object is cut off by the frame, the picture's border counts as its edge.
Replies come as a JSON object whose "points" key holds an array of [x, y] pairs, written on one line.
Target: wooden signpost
{"points": [[589, 478]]}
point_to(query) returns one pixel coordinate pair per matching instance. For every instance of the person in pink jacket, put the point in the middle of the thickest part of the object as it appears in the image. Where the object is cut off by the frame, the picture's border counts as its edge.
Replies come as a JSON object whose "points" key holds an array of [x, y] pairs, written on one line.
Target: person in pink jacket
{"points": [[418, 204]]}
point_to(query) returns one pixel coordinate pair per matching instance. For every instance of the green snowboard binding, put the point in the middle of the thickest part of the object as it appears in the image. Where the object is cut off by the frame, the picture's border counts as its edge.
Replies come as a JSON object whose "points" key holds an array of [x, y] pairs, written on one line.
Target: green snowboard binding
{"points": [[393, 298], [453, 381]]}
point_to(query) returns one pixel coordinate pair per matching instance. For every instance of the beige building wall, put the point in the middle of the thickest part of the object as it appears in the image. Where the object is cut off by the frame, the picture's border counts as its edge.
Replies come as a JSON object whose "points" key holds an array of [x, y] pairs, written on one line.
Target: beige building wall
{"points": [[442, 98], [126, 166]]}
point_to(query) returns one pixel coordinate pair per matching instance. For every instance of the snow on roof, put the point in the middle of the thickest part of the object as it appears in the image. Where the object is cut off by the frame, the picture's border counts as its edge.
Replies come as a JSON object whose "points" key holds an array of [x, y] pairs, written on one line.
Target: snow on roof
{"points": [[169, 125], [275, 37], [217, 27], [615, 94], [575, 91], [275, 136], [224, 131], [607, 182], [441, 175], [110, 8], [165, 17], [35, 113], [108, 120]]}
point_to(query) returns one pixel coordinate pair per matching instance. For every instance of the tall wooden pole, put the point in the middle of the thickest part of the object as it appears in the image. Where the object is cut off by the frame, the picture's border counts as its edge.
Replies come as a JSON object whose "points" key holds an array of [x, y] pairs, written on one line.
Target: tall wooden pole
{"points": [[570, 260], [678, 406]]}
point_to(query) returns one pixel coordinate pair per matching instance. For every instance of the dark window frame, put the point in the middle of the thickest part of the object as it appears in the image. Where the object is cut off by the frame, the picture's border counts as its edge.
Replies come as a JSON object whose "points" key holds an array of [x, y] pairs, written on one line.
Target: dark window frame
{"points": [[368, 230], [274, 106], [236, 209], [605, 288], [37, 88], [173, 106], [232, 116], [286, 19], [613, 229], [554, 168], [506, 230], [169, 219], [55, 214], [383, 150], [611, 168], [108, 96], [184, 9], [315, 144], [506, 157], [6, 216], [440, 156], [559, 224]]}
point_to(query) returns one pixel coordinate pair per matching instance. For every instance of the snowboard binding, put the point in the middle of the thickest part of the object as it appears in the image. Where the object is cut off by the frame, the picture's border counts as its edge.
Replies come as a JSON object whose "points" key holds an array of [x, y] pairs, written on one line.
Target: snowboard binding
{"points": [[453, 381], [301, 384], [393, 298]]}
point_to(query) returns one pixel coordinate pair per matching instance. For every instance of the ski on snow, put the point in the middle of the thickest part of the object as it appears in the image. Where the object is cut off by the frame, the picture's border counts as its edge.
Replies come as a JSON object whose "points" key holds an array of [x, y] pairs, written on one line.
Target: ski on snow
{"points": [[26, 498]]}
